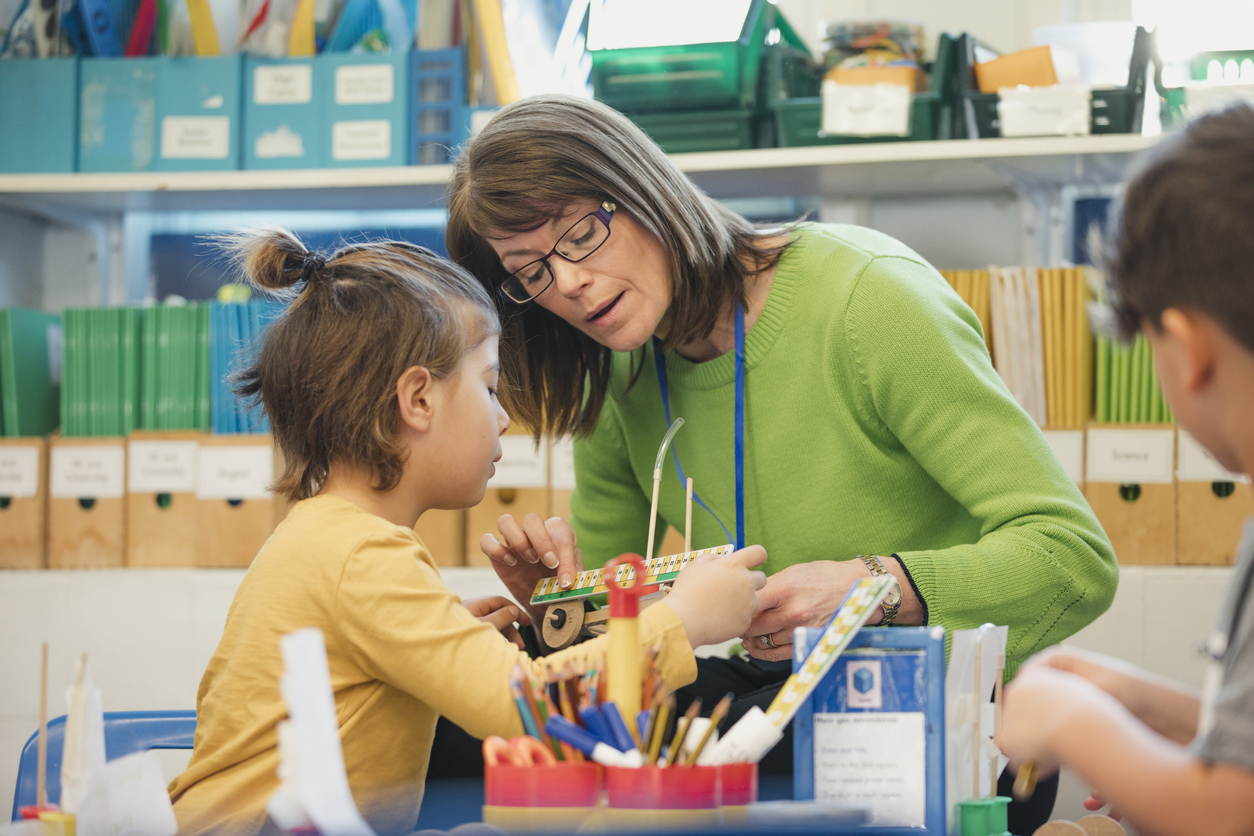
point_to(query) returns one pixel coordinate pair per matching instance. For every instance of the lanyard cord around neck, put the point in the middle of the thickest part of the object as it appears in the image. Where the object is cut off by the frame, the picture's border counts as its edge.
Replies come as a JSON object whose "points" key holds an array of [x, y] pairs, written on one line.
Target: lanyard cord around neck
{"points": [[660, 360]]}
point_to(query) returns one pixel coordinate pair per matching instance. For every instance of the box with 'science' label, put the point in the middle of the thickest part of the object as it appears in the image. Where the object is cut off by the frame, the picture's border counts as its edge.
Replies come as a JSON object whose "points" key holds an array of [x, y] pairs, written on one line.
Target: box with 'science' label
{"points": [[366, 116], [1130, 485]]}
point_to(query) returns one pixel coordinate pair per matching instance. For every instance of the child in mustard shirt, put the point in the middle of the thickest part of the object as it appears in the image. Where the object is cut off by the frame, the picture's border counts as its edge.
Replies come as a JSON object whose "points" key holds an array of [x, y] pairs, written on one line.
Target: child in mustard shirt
{"points": [[1171, 761], [380, 385]]}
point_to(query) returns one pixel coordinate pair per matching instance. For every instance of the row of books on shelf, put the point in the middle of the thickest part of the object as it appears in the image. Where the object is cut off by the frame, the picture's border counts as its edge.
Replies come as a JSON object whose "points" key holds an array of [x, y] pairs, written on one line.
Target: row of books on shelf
{"points": [[186, 499], [109, 371]]}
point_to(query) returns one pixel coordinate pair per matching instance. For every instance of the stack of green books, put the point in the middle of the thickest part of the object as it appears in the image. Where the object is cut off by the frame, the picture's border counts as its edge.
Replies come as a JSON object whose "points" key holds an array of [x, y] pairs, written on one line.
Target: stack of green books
{"points": [[175, 368], [100, 384], [1127, 385], [30, 349]]}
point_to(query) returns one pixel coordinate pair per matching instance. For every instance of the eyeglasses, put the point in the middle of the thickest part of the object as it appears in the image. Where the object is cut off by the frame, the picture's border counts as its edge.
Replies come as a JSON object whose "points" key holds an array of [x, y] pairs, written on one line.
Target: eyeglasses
{"points": [[584, 238]]}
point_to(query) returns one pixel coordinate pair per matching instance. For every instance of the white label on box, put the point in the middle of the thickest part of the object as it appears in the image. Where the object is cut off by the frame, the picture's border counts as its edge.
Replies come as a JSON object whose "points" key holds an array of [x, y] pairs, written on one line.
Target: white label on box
{"points": [[1202, 97], [1043, 111], [242, 472], [366, 139], [866, 109], [877, 759], [195, 137], [1068, 446], [363, 84], [1196, 464], [521, 465], [161, 466], [283, 84], [19, 471], [88, 472], [1131, 456], [562, 464], [863, 684]]}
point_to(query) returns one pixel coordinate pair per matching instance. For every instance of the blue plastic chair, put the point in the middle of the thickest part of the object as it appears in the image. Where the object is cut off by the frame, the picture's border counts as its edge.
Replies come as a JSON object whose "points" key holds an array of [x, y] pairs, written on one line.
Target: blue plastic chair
{"points": [[125, 732]]}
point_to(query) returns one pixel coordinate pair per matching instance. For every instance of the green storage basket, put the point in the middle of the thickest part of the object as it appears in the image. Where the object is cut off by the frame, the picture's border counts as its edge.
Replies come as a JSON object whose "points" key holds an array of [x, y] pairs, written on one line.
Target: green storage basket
{"points": [[799, 121], [705, 130], [712, 76]]}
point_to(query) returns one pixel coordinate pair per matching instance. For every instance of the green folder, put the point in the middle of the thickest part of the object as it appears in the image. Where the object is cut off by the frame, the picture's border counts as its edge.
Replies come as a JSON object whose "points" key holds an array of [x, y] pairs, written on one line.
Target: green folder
{"points": [[29, 394], [204, 410]]}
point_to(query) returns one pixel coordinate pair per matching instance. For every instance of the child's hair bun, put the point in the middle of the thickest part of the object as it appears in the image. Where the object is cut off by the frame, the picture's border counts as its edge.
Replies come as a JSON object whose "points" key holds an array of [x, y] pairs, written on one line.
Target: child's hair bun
{"points": [[275, 259]]}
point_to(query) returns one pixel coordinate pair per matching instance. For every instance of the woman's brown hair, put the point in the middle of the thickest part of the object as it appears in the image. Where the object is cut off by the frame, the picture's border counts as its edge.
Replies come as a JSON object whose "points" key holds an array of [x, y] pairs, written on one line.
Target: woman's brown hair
{"points": [[527, 165], [326, 369]]}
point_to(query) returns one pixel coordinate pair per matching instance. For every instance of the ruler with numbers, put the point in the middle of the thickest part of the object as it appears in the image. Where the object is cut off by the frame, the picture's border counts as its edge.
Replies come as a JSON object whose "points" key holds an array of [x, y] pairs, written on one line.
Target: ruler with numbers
{"points": [[859, 605], [658, 570]]}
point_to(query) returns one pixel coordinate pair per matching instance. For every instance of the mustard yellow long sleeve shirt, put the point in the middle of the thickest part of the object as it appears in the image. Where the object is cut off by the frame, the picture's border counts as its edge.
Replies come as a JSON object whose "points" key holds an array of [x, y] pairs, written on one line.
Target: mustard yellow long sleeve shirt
{"points": [[402, 650]]}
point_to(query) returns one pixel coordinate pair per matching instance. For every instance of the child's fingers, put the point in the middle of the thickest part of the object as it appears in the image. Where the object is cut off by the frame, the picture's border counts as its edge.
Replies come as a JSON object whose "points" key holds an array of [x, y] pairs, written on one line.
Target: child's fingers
{"points": [[515, 638], [496, 551], [749, 556], [516, 538], [502, 618]]}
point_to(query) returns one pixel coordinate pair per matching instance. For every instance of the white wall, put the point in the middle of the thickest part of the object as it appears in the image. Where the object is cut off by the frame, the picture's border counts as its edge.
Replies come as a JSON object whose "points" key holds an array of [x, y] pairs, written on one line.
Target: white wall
{"points": [[21, 260]]}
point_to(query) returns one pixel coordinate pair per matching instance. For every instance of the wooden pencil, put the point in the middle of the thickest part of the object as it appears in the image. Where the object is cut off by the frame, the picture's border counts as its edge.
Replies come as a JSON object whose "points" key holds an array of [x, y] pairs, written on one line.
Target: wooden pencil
{"points": [[41, 778], [716, 717], [681, 731]]}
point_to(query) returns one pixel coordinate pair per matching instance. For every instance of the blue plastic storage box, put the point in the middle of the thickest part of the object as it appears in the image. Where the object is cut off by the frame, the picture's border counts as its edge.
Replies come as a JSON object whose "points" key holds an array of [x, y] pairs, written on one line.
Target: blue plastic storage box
{"points": [[439, 117], [38, 115], [366, 117], [283, 114]]}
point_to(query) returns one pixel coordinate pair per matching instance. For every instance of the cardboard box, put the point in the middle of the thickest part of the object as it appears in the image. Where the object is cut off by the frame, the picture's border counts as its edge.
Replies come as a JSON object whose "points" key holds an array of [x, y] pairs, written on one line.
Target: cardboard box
{"points": [[161, 507], [520, 487], [1032, 67], [444, 534], [236, 511], [86, 514], [904, 76], [283, 114], [366, 108], [23, 503], [1130, 473], [38, 115], [1212, 505]]}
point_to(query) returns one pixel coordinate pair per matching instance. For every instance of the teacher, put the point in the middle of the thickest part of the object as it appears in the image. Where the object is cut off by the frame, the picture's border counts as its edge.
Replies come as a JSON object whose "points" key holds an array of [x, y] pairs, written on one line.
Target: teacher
{"points": [[840, 404]]}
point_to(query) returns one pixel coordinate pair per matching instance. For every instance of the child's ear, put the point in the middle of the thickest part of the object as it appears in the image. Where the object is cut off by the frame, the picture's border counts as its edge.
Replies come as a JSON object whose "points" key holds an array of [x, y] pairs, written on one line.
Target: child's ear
{"points": [[415, 395], [1192, 339]]}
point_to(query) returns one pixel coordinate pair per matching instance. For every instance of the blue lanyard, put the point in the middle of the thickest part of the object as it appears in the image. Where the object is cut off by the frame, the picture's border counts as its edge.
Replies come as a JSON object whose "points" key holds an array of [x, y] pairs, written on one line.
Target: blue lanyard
{"points": [[660, 360]]}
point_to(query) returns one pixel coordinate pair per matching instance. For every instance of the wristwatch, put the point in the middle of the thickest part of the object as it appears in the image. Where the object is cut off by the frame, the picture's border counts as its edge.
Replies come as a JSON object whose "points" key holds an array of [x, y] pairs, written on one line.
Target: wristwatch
{"points": [[892, 602]]}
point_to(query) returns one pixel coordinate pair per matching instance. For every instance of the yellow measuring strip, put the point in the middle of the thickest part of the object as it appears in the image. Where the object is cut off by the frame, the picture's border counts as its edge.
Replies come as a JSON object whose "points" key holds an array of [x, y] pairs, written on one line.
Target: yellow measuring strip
{"points": [[862, 601], [587, 583]]}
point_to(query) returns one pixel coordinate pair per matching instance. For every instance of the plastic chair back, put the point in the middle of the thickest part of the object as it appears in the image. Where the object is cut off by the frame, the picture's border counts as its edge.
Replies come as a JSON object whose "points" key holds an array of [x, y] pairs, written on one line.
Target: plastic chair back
{"points": [[125, 732]]}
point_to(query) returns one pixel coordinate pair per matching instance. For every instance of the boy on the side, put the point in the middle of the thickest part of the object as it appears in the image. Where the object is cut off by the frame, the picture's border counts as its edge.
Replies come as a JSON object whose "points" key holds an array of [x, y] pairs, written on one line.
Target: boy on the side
{"points": [[1182, 272]]}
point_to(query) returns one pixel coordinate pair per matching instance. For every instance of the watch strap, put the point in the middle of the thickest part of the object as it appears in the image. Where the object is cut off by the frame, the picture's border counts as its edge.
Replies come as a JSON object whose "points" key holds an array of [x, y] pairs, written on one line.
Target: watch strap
{"points": [[877, 568]]}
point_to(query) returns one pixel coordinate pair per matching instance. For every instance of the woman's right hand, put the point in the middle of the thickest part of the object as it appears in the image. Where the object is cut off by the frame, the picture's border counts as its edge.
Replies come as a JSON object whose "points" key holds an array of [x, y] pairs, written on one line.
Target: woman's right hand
{"points": [[530, 551], [716, 597]]}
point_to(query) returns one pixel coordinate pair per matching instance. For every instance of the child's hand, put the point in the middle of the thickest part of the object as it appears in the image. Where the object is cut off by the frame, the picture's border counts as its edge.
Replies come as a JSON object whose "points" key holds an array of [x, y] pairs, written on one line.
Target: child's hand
{"points": [[1095, 802], [532, 550], [1038, 708], [501, 613], [715, 597], [1114, 676]]}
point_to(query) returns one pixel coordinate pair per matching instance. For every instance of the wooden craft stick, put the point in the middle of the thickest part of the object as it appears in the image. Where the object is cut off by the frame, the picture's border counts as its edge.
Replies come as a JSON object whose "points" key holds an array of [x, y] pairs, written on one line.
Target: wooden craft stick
{"points": [[975, 751], [657, 487], [681, 731], [41, 780], [664, 709], [688, 519]]}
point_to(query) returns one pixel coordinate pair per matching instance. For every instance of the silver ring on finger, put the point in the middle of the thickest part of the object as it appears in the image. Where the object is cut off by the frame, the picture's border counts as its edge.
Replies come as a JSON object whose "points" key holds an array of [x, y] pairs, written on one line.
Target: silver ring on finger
{"points": [[767, 641]]}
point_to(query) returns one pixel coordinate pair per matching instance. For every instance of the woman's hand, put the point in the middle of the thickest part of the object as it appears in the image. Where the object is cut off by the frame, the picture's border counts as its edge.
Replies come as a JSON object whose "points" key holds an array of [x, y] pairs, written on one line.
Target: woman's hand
{"points": [[501, 613], [714, 596], [531, 551]]}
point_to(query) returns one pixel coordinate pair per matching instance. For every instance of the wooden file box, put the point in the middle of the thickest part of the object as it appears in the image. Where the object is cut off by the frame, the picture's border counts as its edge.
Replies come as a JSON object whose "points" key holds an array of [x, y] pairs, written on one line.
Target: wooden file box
{"points": [[1131, 488], [86, 505], [444, 533], [161, 507], [1212, 505], [520, 487], [23, 503], [236, 512]]}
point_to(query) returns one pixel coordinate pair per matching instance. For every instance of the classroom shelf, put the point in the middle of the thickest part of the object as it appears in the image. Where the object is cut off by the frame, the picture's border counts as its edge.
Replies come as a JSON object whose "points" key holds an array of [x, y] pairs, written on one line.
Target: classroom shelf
{"points": [[899, 168]]}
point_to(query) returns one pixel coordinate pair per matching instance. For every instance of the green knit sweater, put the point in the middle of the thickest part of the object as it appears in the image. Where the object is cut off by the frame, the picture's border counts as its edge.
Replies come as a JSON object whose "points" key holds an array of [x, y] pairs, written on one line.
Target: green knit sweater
{"points": [[874, 424]]}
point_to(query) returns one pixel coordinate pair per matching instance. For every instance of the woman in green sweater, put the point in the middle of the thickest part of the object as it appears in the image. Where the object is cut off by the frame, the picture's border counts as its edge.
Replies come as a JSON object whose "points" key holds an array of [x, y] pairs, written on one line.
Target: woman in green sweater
{"points": [[873, 422]]}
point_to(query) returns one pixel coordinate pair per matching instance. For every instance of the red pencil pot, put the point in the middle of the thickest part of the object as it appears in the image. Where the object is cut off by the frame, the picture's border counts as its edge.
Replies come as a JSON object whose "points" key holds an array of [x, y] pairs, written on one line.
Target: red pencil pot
{"points": [[552, 799], [739, 783], [662, 798]]}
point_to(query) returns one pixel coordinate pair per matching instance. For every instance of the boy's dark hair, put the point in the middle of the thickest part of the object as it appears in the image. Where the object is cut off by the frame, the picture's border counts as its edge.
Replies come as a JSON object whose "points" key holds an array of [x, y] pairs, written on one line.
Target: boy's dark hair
{"points": [[1185, 231], [327, 369]]}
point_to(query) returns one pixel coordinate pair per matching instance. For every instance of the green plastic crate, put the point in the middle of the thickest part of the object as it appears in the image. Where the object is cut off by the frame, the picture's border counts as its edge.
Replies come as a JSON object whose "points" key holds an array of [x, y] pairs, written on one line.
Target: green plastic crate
{"points": [[712, 76], [683, 132], [798, 122]]}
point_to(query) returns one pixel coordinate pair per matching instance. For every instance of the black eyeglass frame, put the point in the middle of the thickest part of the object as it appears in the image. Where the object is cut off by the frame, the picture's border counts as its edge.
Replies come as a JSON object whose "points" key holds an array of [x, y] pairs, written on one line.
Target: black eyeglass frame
{"points": [[604, 213]]}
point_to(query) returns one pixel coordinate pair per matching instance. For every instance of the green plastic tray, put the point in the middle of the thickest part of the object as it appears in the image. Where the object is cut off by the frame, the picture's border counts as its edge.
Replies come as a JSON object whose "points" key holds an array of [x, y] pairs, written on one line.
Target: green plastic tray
{"points": [[797, 122], [710, 130]]}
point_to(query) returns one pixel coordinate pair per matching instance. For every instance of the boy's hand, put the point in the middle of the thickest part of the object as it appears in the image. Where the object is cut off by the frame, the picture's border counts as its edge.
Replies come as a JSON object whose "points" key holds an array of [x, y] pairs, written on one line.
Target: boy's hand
{"points": [[715, 597], [1113, 676], [532, 550], [1095, 802], [501, 613]]}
